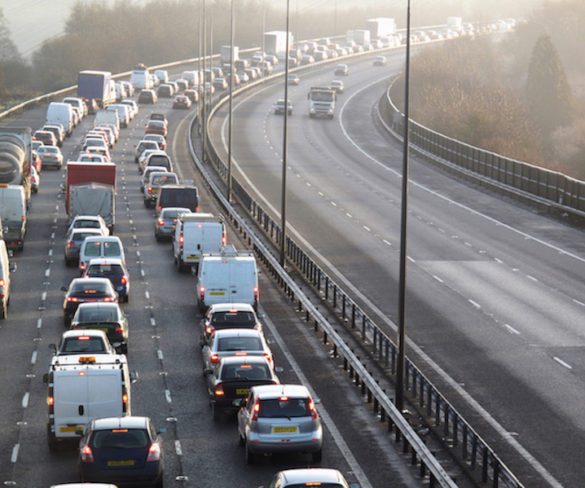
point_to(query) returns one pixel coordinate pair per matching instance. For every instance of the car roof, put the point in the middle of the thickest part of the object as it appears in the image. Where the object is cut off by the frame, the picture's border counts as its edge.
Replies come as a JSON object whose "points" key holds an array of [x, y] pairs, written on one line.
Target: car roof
{"points": [[227, 307], [237, 333], [174, 209], [266, 392], [104, 238], [88, 332], [98, 305], [86, 217], [132, 422], [91, 230], [316, 475], [84, 485], [106, 261], [244, 360], [79, 280]]}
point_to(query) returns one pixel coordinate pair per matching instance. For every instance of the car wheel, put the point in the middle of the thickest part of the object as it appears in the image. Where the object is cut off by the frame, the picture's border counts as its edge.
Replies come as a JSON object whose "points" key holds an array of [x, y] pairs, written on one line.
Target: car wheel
{"points": [[241, 440], [126, 298], [215, 413], [146, 203], [250, 457], [67, 321], [316, 456], [179, 264], [4, 312], [157, 237]]}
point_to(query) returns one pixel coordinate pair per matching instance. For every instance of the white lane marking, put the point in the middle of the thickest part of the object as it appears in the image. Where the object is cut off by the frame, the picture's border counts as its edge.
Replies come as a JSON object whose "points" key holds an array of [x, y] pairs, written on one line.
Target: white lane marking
{"points": [[138, 253], [159, 354], [388, 243], [33, 357], [499, 261], [25, 399], [468, 244], [147, 295], [339, 440], [43, 296], [438, 279], [562, 363], [53, 235], [511, 329], [578, 302], [178, 448], [530, 277], [410, 259], [349, 215], [474, 303], [320, 194], [425, 357], [168, 396], [47, 272], [308, 184], [50, 252], [367, 228], [14, 456], [334, 204], [142, 273], [39, 323], [152, 321]]}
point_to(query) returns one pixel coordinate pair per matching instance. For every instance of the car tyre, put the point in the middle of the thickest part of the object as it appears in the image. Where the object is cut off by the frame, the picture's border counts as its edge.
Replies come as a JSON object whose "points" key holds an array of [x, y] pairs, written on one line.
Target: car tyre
{"points": [[250, 456], [241, 440], [317, 456], [160, 482], [4, 312], [215, 413]]}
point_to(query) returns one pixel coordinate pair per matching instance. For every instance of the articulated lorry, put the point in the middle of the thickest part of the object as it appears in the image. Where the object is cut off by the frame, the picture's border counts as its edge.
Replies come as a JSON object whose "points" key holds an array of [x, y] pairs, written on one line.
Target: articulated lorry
{"points": [[16, 158], [275, 43], [321, 102], [91, 190], [98, 86], [381, 27]]}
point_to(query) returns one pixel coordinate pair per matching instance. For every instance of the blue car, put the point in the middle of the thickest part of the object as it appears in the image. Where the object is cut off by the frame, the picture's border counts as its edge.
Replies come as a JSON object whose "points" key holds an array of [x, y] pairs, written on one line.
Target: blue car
{"points": [[113, 269], [126, 451]]}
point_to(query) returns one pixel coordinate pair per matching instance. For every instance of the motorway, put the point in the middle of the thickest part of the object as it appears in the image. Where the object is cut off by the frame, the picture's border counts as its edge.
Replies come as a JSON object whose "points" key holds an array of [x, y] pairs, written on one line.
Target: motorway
{"points": [[163, 347], [496, 296]]}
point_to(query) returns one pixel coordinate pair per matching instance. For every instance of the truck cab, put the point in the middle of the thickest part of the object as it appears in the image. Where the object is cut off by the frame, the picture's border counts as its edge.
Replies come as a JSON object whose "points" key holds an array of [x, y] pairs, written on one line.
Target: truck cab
{"points": [[321, 102]]}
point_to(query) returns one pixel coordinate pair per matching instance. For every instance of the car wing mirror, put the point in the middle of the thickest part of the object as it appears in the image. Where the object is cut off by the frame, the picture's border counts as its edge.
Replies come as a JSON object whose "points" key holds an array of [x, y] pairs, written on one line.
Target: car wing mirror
{"points": [[134, 376], [279, 369], [12, 267], [53, 347], [64, 288], [316, 401], [46, 378]]}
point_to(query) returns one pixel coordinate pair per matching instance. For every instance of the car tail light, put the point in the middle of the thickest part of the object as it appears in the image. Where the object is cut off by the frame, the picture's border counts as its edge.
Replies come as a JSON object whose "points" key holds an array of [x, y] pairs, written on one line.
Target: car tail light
{"points": [[313, 410], [161, 223], [1, 282], [153, 452], [268, 357], [209, 330], [181, 239], [255, 411], [223, 238], [86, 454], [82, 265], [109, 299], [71, 244], [202, 293], [219, 391], [50, 401], [124, 280], [149, 189], [119, 330], [214, 358], [72, 299]]}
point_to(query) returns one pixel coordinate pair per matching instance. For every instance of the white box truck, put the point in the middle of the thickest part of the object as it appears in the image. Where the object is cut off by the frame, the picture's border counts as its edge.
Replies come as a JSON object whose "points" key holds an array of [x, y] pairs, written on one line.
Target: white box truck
{"points": [[82, 388], [197, 234], [60, 113], [228, 277], [381, 27], [225, 54], [359, 36], [275, 43], [455, 24]]}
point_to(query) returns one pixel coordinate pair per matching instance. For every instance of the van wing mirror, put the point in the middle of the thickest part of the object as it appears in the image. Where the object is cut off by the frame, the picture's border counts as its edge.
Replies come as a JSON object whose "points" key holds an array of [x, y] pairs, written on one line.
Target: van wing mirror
{"points": [[134, 376], [53, 347], [64, 288], [12, 267], [46, 378]]}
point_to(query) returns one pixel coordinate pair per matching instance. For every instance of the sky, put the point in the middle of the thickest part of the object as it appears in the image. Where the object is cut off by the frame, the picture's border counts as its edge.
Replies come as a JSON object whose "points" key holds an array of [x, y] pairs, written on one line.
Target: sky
{"points": [[33, 21]]}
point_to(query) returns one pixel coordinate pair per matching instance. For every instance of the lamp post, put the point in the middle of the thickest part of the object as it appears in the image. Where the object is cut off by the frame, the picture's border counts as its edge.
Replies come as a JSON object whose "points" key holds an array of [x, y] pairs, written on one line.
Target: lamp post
{"points": [[231, 80], [202, 84], [284, 143], [403, 227]]}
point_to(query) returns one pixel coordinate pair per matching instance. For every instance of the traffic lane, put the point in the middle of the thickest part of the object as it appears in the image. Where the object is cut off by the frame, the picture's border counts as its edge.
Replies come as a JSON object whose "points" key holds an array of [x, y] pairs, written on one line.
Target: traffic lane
{"points": [[289, 207]]}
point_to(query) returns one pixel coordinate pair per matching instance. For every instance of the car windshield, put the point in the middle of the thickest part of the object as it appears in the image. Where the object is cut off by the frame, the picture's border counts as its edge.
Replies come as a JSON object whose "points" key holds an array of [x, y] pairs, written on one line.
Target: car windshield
{"points": [[284, 407], [101, 314], [227, 344], [82, 344], [233, 319], [245, 372], [49, 149], [120, 439], [105, 270]]}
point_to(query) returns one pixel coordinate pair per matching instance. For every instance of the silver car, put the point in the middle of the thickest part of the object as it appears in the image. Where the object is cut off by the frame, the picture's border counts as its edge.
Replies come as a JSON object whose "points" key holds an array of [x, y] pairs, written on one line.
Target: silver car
{"points": [[331, 478], [280, 419], [164, 225]]}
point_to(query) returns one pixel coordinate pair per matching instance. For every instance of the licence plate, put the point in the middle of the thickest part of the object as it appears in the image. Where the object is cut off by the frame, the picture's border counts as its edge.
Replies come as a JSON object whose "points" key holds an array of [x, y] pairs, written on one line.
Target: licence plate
{"points": [[217, 293], [71, 428], [242, 391], [125, 462], [193, 256], [282, 430]]}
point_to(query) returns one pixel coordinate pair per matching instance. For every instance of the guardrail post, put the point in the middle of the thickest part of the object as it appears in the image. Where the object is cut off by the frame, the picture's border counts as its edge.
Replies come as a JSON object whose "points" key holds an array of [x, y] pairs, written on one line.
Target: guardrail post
{"points": [[464, 442], [343, 298], [326, 287], [484, 464], [334, 296], [473, 451], [353, 315]]}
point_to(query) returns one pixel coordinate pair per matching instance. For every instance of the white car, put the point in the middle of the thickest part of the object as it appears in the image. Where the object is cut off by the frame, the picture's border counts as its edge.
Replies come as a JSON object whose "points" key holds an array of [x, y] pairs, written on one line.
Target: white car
{"points": [[310, 477], [100, 247], [89, 222]]}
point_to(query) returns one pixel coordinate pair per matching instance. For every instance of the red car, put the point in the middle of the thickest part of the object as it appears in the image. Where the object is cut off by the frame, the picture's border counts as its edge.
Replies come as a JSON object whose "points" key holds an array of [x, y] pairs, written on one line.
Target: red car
{"points": [[156, 127], [46, 137]]}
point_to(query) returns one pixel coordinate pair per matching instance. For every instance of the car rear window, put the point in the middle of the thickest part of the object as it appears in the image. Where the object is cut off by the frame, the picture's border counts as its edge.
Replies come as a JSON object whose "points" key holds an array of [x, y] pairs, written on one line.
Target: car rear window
{"points": [[171, 214], [179, 197], [105, 270], [87, 224], [158, 160], [233, 319], [120, 439], [80, 236], [239, 344], [245, 372], [82, 344], [91, 287], [167, 179], [313, 483], [284, 407], [102, 314]]}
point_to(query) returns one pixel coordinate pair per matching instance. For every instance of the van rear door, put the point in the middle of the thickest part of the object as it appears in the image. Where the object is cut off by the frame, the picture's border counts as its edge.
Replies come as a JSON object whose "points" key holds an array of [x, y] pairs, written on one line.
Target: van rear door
{"points": [[242, 281], [105, 394], [71, 398], [193, 234], [216, 282]]}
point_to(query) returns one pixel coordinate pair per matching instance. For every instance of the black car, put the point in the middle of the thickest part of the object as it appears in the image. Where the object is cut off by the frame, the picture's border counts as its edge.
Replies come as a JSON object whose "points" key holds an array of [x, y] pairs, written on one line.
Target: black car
{"points": [[122, 450], [83, 290], [165, 91], [231, 380], [185, 196], [228, 316], [107, 317], [147, 97], [114, 270]]}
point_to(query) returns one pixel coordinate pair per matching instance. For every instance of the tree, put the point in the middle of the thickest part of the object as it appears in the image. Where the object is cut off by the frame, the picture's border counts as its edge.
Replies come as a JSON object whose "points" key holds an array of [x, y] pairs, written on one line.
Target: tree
{"points": [[548, 94]]}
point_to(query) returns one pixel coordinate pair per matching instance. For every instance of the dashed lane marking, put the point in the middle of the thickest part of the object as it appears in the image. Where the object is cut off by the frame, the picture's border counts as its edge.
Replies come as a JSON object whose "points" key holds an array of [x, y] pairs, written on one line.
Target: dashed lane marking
{"points": [[562, 363]]}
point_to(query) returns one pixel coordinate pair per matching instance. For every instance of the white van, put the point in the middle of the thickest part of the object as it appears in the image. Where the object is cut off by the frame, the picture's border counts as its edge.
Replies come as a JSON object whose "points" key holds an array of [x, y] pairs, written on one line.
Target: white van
{"points": [[141, 79], [191, 76], [162, 75], [107, 117], [123, 113], [100, 247], [82, 388], [228, 277], [197, 234], [13, 215], [5, 269], [61, 113]]}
